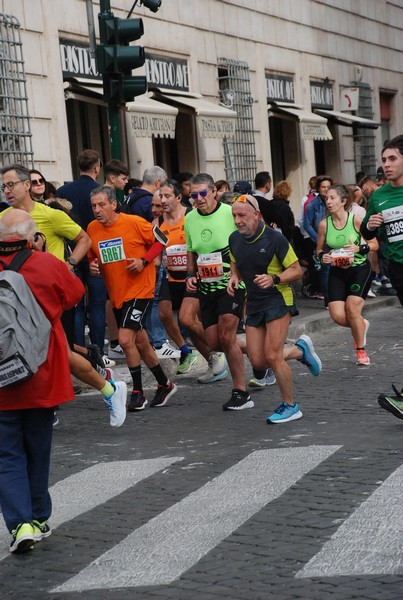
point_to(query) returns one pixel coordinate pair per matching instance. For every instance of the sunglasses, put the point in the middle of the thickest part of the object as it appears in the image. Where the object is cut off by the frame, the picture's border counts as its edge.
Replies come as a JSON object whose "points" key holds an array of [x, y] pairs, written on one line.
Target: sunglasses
{"points": [[39, 181], [242, 199], [202, 194]]}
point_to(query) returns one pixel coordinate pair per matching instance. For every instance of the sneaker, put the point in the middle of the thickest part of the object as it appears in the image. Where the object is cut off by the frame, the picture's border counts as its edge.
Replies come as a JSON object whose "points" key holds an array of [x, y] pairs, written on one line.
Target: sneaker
{"points": [[77, 389], [284, 413], [117, 404], [366, 323], [317, 296], [108, 362], [309, 356], [94, 356], [55, 419], [109, 375], [163, 394], [238, 401], [218, 362], [115, 352], [41, 530], [393, 404], [362, 359], [23, 538], [376, 282], [268, 379], [137, 401], [187, 363], [166, 351], [370, 294]]}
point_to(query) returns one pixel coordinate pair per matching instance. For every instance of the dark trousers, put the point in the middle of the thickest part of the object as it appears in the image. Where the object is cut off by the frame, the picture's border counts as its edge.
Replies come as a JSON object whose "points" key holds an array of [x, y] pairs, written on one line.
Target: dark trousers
{"points": [[96, 296], [25, 445]]}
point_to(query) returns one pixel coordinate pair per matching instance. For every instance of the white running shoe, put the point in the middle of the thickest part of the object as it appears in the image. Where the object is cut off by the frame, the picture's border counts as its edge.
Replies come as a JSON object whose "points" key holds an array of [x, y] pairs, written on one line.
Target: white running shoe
{"points": [[166, 351], [117, 404], [116, 352], [216, 361], [108, 362]]}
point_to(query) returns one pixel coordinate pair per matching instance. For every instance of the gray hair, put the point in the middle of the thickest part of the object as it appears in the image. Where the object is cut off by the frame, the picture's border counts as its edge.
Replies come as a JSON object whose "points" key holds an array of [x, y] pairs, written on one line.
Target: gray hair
{"points": [[17, 223], [22, 172], [203, 178], [104, 189], [153, 173]]}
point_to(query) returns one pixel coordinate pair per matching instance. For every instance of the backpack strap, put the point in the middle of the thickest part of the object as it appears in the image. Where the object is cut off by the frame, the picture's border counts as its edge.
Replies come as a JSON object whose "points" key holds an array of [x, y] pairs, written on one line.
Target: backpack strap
{"points": [[17, 261]]}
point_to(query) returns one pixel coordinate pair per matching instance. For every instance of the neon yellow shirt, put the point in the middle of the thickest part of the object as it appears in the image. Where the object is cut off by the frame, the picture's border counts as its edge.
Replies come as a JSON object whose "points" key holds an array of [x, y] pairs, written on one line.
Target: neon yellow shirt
{"points": [[55, 225]]}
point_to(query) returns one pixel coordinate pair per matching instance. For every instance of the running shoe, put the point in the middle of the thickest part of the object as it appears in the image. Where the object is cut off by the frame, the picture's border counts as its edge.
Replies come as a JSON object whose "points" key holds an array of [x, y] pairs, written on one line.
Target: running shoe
{"points": [[370, 294], [109, 375], [95, 356], [285, 413], [137, 401], [166, 351], [163, 394], [55, 419], [23, 538], [108, 362], [217, 368], [366, 323], [115, 352], [187, 363], [41, 530], [268, 379], [117, 404], [393, 404], [309, 356], [362, 359], [238, 401]]}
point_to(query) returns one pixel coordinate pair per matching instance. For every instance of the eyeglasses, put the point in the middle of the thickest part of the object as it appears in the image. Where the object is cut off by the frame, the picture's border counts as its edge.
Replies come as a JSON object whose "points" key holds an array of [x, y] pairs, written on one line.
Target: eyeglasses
{"points": [[39, 181], [242, 199], [10, 185], [202, 194]]}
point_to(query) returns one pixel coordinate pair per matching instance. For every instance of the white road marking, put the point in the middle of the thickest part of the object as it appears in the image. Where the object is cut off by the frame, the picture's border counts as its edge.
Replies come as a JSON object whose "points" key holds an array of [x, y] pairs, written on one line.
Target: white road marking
{"points": [[369, 541], [92, 487], [171, 543]]}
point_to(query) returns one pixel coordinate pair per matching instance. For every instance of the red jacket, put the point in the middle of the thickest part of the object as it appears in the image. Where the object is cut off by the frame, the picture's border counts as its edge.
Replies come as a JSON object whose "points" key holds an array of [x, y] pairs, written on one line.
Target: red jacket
{"points": [[55, 289]]}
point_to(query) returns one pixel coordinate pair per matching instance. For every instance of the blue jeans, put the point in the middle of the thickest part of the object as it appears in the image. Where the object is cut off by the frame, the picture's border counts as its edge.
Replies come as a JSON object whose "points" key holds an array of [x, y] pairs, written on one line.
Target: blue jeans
{"points": [[96, 300], [154, 327], [25, 444]]}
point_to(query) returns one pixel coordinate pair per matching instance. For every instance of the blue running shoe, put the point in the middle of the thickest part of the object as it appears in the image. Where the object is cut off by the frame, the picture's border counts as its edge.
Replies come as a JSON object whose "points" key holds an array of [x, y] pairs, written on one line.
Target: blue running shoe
{"points": [[268, 379], [309, 356], [284, 413]]}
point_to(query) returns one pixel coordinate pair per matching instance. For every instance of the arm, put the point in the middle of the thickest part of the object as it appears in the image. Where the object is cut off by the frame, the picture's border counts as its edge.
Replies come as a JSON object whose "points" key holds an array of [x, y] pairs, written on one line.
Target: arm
{"points": [[292, 273], [83, 244], [308, 220], [234, 280], [362, 249], [191, 279]]}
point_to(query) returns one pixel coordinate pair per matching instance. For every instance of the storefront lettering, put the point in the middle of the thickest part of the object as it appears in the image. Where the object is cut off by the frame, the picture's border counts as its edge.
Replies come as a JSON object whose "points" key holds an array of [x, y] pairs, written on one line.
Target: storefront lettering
{"points": [[167, 73], [76, 60], [280, 88], [216, 127], [321, 95], [152, 124]]}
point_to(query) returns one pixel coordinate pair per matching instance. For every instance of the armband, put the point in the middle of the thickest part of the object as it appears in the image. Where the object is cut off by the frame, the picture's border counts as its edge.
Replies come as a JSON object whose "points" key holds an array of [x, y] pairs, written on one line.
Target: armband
{"points": [[364, 249], [190, 274]]}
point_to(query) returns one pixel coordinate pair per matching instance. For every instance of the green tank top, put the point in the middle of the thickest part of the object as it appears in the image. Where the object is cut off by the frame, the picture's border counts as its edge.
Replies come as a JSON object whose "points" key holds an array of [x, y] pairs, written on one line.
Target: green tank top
{"points": [[337, 238]]}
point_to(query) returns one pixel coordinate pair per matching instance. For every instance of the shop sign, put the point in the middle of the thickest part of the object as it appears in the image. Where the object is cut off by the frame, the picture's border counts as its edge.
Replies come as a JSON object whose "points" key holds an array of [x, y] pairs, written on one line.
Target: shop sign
{"points": [[167, 72], [349, 97], [321, 95], [280, 88], [216, 127], [77, 61], [148, 124]]}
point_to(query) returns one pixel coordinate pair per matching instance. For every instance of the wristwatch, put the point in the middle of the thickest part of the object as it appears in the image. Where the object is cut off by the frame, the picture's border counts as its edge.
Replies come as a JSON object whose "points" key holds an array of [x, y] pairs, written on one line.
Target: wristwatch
{"points": [[145, 262], [276, 280], [72, 261]]}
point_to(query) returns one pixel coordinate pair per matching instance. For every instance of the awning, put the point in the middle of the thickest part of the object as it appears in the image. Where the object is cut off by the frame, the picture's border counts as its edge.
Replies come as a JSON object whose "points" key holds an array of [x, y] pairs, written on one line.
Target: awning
{"points": [[348, 120], [84, 90], [312, 126], [145, 117], [213, 120]]}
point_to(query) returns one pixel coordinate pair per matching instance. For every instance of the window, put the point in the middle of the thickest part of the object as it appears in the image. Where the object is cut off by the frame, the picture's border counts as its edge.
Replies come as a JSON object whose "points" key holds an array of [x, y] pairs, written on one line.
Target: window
{"points": [[240, 151], [15, 133]]}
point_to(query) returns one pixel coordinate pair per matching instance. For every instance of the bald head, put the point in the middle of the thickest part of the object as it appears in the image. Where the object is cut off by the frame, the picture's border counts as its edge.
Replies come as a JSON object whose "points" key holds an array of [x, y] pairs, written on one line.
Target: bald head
{"points": [[18, 224]]}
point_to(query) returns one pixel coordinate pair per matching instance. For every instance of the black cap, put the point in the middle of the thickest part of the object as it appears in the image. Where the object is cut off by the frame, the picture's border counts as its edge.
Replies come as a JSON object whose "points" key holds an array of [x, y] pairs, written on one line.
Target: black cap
{"points": [[380, 174], [243, 187]]}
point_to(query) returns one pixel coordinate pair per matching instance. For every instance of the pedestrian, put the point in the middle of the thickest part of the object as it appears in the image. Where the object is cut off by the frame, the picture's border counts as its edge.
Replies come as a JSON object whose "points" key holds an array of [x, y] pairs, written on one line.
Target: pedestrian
{"points": [[339, 246], [26, 408], [265, 261], [123, 249]]}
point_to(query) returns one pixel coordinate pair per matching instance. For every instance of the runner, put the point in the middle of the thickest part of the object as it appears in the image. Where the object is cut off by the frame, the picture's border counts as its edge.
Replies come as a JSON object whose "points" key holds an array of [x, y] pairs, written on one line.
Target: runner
{"points": [[267, 264], [339, 245]]}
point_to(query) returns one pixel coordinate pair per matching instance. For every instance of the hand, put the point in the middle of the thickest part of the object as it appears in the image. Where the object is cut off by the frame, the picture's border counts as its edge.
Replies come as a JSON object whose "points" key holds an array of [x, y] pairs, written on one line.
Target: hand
{"points": [[326, 259], [352, 248], [374, 221], [191, 284], [263, 281], [135, 265], [232, 285], [94, 267]]}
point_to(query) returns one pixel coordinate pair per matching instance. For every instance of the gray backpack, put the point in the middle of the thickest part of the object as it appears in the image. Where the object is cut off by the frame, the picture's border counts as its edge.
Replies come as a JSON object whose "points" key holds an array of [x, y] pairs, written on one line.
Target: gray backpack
{"points": [[24, 328]]}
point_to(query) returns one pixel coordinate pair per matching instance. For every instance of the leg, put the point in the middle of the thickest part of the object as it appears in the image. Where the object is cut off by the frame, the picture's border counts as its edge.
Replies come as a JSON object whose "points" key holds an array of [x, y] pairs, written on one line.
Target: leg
{"points": [[189, 318], [354, 306], [338, 313], [276, 333], [169, 322], [97, 296], [227, 341]]}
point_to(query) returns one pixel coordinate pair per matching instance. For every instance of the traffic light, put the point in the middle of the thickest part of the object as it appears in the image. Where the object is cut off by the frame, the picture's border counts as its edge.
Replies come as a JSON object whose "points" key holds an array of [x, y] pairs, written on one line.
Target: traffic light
{"points": [[116, 58]]}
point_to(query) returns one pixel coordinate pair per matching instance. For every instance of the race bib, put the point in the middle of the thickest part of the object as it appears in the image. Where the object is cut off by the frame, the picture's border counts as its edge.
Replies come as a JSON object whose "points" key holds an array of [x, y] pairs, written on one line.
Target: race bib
{"points": [[342, 258], [210, 267], [111, 251], [177, 257], [393, 220]]}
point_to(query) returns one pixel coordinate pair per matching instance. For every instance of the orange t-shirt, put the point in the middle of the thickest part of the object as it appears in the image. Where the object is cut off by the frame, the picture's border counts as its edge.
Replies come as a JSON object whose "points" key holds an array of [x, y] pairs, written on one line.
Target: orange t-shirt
{"points": [[176, 250], [129, 237]]}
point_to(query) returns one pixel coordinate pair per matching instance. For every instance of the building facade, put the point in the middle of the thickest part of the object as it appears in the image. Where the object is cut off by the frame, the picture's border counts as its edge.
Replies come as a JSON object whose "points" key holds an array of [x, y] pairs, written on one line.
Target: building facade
{"points": [[235, 87]]}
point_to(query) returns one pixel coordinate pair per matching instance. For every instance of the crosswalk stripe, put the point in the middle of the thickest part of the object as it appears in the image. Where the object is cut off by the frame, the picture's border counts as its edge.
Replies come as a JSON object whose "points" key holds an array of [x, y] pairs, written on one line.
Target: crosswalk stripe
{"points": [[171, 543], [369, 541], [91, 487]]}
